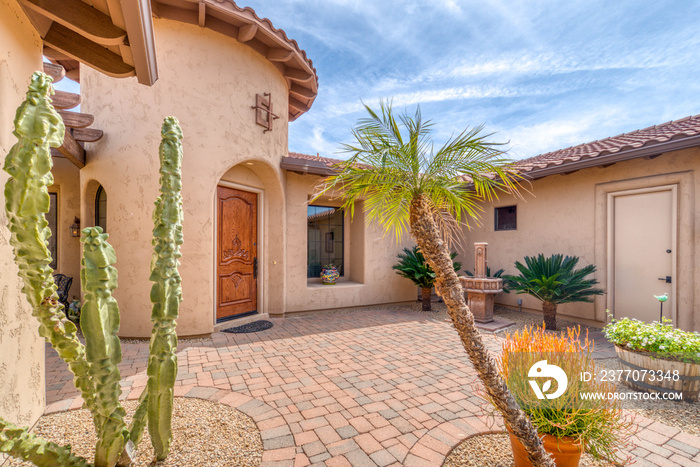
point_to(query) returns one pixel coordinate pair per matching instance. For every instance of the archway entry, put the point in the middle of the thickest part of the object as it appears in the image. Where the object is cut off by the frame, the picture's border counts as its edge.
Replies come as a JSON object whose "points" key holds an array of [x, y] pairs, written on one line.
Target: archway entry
{"points": [[236, 253]]}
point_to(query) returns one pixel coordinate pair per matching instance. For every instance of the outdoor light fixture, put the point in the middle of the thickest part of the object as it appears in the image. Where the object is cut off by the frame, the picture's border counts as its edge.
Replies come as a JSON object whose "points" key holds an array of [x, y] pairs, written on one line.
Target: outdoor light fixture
{"points": [[75, 228]]}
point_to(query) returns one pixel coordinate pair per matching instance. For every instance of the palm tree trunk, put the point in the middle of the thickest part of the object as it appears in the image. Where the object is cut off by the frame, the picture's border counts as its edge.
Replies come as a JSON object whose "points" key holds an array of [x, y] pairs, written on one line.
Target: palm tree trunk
{"points": [[549, 310], [425, 296], [427, 235]]}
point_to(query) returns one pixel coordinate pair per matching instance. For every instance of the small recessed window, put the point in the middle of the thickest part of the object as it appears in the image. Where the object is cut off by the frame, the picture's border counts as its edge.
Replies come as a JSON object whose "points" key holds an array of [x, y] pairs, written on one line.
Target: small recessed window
{"points": [[52, 218], [325, 227], [101, 208], [506, 218]]}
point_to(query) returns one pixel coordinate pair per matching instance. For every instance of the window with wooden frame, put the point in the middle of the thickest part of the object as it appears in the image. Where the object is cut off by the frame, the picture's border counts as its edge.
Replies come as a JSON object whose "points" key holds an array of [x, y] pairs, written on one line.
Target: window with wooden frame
{"points": [[506, 218], [325, 234]]}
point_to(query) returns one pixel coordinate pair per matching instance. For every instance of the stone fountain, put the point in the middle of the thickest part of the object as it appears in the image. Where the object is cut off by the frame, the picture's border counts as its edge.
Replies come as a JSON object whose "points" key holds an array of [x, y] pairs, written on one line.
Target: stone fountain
{"points": [[479, 289]]}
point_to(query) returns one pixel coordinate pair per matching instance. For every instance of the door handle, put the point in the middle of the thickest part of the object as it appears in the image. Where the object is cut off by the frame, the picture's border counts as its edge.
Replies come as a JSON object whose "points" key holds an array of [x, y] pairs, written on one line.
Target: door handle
{"points": [[255, 267], [667, 279]]}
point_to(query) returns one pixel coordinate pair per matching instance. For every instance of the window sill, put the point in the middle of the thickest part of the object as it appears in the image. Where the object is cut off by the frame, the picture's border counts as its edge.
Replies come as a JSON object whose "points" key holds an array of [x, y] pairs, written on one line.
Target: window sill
{"points": [[339, 285]]}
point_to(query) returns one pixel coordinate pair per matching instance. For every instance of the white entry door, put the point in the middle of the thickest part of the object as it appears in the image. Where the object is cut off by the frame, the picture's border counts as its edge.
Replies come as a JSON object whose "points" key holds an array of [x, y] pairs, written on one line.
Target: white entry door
{"points": [[643, 256]]}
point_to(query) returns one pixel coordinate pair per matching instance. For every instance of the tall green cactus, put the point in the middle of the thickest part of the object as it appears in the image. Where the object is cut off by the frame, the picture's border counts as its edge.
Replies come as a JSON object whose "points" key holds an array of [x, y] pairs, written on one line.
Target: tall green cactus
{"points": [[95, 365], [38, 128], [99, 321], [166, 292]]}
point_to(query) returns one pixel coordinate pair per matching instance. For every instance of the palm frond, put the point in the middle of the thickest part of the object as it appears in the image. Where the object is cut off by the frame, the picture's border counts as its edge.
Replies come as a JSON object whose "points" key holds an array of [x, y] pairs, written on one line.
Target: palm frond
{"points": [[393, 161]]}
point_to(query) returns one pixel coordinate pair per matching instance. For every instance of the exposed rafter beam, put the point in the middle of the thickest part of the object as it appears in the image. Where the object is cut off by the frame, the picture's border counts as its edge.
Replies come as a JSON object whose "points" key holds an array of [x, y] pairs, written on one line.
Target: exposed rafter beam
{"points": [[302, 91], [80, 17], [279, 54], [86, 51], [298, 75], [71, 150], [247, 32], [65, 100], [57, 72], [202, 14], [298, 105], [87, 135], [138, 19], [76, 119]]}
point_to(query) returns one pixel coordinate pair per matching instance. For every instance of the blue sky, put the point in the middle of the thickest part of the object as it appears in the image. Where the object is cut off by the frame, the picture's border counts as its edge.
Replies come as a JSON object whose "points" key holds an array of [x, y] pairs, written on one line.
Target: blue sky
{"points": [[542, 74]]}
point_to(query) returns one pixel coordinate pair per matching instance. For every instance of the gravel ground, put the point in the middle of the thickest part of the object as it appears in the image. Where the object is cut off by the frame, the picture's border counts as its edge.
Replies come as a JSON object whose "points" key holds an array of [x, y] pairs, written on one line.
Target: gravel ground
{"points": [[204, 433], [493, 450], [679, 414]]}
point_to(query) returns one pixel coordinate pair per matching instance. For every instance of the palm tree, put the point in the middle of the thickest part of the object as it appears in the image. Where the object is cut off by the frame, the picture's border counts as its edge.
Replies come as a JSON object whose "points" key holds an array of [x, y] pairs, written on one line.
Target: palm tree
{"points": [[406, 184], [412, 266], [554, 280]]}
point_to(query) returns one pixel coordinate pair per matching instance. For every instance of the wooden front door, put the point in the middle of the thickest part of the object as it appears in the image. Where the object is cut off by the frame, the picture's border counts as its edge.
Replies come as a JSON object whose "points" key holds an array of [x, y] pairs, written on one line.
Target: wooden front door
{"points": [[237, 253]]}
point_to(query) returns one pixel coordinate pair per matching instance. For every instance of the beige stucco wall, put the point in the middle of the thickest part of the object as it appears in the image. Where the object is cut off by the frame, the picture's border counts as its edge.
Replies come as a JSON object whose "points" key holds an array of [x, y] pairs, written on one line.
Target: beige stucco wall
{"points": [[21, 348], [66, 177], [369, 255], [208, 81], [568, 214]]}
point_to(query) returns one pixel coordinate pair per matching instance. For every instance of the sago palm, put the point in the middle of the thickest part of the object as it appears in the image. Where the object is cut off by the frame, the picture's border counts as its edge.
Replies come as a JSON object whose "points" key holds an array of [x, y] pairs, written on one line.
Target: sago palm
{"points": [[554, 280], [412, 265], [405, 183]]}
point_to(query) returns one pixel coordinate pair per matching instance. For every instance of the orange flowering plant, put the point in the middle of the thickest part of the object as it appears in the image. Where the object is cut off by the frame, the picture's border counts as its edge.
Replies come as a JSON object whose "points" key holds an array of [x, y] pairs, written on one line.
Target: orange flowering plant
{"points": [[553, 378]]}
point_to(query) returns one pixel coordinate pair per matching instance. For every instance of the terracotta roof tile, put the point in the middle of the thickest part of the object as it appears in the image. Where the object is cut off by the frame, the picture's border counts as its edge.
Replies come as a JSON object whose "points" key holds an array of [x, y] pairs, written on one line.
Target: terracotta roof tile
{"points": [[675, 129]]}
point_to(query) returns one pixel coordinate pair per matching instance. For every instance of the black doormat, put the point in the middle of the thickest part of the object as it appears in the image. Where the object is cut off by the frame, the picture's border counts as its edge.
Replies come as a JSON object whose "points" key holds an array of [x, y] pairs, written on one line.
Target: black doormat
{"points": [[255, 326]]}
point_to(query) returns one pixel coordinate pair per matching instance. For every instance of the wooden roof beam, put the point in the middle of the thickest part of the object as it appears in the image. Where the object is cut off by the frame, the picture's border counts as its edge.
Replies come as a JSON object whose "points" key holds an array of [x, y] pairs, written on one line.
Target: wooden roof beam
{"points": [[138, 19], [202, 14], [247, 32], [298, 75], [72, 150], [86, 51], [80, 17], [298, 105], [76, 119], [87, 135], [57, 72], [278, 54], [65, 100], [301, 91]]}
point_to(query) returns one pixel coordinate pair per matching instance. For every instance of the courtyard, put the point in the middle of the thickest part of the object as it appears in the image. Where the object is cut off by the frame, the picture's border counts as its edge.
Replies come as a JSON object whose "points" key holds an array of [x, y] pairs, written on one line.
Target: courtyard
{"points": [[375, 386]]}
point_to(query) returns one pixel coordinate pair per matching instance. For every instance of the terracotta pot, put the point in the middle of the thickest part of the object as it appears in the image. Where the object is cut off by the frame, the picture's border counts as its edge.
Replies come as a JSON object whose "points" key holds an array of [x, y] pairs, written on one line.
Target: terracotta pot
{"points": [[563, 450]]}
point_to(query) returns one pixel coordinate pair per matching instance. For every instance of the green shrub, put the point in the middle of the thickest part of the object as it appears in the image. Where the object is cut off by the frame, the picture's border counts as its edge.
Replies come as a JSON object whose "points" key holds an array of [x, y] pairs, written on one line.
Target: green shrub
{"points": [[660, 338]]}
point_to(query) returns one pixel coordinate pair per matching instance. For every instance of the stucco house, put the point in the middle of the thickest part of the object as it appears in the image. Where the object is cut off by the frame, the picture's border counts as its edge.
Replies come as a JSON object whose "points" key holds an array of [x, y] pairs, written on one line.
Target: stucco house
{"points": [[253, 244], [630, 204], [235, 82]]}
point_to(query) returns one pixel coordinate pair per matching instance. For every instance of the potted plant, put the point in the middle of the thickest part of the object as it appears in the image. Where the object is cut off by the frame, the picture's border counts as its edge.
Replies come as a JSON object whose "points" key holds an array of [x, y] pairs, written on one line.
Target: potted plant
{"points": [[412, 265], [665, 359], [329, 274], [545, 373], [554, 280]]}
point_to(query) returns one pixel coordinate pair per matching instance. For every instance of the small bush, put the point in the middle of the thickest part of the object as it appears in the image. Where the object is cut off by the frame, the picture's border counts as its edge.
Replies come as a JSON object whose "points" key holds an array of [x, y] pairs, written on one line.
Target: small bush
{"points": [[660, 338]]}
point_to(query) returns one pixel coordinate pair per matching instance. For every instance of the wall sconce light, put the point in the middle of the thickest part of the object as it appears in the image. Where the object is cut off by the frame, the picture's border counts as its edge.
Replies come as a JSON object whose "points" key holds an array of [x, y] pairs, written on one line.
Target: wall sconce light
{"points": [[75, 228]]}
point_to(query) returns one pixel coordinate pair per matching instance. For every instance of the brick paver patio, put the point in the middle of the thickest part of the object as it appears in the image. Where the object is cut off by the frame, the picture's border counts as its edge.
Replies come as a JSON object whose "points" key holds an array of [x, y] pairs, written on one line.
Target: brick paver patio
{"points": [[360, 388]]}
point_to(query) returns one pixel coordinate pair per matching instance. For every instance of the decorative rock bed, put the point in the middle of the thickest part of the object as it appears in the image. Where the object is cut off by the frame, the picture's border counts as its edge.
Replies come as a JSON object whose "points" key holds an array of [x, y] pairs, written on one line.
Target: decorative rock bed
{"points": [[493, 450], [205, 433]]}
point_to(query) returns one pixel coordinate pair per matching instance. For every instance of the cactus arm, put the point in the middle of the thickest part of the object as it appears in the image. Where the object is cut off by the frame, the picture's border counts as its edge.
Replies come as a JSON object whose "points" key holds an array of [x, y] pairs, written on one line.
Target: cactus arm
{"points": [[166, 292], [19, 443], [38, 127], [138, 423], [99, 321]]}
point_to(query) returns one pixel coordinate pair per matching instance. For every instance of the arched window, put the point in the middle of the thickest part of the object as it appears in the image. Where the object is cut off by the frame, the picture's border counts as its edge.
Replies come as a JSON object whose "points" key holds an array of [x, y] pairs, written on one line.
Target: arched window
{"points": [[101, 208]]}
